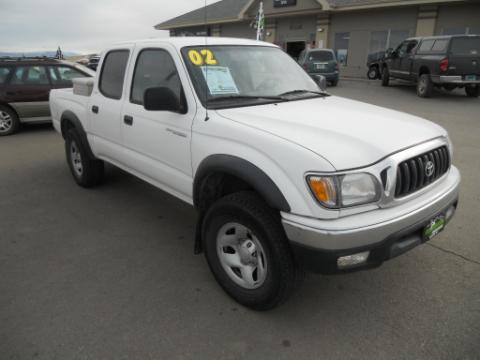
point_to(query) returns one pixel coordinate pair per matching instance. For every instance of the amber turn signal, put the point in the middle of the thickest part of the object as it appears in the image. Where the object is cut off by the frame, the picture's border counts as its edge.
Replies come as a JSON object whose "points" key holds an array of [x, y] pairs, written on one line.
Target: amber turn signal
{"points": [[324, 189]]}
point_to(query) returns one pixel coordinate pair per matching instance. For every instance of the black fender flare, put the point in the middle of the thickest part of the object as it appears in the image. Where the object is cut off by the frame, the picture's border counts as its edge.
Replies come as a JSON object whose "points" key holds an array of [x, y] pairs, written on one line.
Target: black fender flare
{"points": [[244, 170], [69, 117]]}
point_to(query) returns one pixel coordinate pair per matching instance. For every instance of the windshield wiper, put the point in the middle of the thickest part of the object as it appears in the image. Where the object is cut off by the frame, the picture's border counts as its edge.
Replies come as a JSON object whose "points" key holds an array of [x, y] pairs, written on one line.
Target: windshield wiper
{"points": [[244, 97], [303, 91]]}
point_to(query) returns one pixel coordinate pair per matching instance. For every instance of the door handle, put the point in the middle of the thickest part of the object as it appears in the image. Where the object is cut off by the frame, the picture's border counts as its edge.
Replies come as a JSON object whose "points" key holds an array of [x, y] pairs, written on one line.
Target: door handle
{"points": [[95, 109], [127, 119]]}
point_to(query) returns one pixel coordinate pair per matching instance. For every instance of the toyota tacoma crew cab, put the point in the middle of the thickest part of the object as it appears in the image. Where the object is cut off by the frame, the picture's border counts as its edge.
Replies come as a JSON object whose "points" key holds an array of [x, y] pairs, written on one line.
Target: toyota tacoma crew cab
{"points": [[284, 176]]}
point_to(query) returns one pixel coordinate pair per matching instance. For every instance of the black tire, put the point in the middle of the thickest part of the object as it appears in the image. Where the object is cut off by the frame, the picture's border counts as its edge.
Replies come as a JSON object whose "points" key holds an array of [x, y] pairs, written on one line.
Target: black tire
{"points": [[472, 91], [9, 122], [334, 82], [86, 171], [424, 86], [373, 73], [282, 275], [385, 76]]}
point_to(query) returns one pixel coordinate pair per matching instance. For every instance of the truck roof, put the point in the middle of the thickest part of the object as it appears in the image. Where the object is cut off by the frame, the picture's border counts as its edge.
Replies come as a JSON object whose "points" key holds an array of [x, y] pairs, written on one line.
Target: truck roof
{"points": [[441, 37], [34, 61], [180, 42]]}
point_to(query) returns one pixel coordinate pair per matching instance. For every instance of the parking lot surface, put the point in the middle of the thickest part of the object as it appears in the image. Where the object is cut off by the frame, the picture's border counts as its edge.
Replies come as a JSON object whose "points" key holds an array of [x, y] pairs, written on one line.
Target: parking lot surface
{"points": [[109, 273]]}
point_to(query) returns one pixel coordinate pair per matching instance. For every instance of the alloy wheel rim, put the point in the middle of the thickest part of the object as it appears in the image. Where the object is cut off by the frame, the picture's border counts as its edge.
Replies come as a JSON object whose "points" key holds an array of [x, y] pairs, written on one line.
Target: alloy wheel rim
{"points": [[6, 121], [241, 255], [421, 86], [76, 159]]}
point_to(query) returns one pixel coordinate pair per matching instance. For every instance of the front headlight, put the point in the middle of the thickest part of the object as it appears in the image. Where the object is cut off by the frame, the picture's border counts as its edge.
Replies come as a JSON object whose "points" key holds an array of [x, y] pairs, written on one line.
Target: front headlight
{"points": [[336, 191]]}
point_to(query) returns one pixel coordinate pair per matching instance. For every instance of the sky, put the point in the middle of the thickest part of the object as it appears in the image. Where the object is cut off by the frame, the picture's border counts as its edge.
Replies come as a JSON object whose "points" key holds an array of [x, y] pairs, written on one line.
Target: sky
{"points": [[83, 26]]}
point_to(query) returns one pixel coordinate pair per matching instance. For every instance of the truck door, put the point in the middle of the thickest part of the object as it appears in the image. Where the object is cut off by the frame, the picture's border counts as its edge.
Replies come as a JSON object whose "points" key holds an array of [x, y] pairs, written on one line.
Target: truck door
{"points": [[396, 63], [157, 143], [105, 108], [406, 61]]}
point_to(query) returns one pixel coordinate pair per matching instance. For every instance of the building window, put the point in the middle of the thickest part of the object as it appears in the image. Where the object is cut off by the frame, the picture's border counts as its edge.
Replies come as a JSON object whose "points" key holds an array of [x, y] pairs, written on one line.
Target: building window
{"points": [[378, 45], [378, 41], [342, 41], [382, 40], [396, 37]]}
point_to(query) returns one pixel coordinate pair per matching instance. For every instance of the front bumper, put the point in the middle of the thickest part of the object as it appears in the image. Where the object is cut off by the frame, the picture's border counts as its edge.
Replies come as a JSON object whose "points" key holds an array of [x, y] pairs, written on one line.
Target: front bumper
{"points": [[385, 233], [453, 80]]}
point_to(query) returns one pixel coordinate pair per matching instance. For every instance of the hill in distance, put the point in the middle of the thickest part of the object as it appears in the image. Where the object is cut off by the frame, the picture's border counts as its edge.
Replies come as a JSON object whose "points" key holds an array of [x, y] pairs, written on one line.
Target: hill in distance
{"points": [[35, 53]]}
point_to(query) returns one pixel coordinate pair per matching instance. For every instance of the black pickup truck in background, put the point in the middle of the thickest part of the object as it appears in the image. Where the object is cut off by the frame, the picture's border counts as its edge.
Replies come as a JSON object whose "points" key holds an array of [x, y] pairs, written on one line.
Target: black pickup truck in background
{"points": [[438, 61]]}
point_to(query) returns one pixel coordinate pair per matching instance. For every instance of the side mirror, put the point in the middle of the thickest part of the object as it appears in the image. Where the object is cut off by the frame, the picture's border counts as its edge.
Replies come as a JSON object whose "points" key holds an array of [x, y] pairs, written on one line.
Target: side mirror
{"points": [[389, 52], [321, 81], [161, 99]]}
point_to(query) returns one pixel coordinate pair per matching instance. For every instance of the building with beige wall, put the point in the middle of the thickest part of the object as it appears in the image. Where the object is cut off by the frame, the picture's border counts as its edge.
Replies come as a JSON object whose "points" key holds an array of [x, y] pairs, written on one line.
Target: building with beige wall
{"points": [[353, 28]]}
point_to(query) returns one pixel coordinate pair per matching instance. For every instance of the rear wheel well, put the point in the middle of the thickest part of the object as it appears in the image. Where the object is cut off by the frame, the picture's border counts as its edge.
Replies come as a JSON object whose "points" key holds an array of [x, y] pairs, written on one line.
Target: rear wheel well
{"points": [[10, 107], [423, 70]]}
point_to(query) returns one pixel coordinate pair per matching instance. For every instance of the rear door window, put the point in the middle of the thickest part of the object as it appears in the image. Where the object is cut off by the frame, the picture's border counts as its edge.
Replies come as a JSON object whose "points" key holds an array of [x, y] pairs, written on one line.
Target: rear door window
{"points": [[440, 45], [320, 56], [30, 75], [64, 74], [426, 46], [113, 73], [4, 72], [466, 46]]}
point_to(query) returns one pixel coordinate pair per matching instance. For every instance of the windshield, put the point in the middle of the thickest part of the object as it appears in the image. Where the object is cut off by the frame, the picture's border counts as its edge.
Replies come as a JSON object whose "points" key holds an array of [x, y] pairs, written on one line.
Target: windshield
{"points": [[229, 76]]}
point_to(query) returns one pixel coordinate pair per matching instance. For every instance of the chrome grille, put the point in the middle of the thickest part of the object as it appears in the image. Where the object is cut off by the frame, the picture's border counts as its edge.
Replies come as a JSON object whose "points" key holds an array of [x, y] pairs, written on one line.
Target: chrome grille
{"points": [[422, 170]]}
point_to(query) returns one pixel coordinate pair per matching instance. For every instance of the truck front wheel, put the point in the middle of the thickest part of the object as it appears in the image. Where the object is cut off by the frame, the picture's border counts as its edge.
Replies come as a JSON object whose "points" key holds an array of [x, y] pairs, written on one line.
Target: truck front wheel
{"points": [[86, 171], [248, 252], [385, 76]]}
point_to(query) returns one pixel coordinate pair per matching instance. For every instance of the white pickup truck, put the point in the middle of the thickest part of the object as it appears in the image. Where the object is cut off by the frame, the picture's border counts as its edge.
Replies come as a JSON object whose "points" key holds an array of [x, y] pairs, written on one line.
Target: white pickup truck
{"points": [[284, 177]]}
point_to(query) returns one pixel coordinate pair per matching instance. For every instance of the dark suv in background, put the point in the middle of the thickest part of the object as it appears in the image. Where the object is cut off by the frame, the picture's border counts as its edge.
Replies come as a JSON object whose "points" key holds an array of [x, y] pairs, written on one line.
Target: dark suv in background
{"points": [[25, 85], [437, 61], [320, 62]]}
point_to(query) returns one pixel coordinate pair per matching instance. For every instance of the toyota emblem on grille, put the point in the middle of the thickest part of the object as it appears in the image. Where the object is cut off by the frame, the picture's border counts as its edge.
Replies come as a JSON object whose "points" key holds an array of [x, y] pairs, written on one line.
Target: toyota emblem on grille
{"points": [[429, 168]]}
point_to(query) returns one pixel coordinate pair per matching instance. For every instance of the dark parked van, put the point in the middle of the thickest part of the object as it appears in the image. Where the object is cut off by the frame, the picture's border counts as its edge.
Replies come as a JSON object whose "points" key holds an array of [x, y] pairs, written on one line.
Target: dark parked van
{"points": [[25, 85], [320, 62], [437, 61]]}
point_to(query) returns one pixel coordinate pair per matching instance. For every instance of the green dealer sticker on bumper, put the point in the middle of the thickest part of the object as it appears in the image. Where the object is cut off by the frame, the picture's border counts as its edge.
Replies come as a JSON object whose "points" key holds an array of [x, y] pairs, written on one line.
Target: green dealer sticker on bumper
{"points": [[434, 227]]}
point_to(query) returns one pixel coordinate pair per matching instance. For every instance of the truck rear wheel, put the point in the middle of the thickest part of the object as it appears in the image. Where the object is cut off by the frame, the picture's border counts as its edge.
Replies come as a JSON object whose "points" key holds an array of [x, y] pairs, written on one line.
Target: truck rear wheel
{"points": [[86, 171], [424, 86], [248, 252], [472, 91]]}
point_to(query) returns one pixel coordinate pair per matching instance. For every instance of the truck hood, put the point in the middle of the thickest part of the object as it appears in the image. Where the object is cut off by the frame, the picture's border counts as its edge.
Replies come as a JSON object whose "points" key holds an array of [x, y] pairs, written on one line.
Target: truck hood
{"points": [[347, 133]]}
